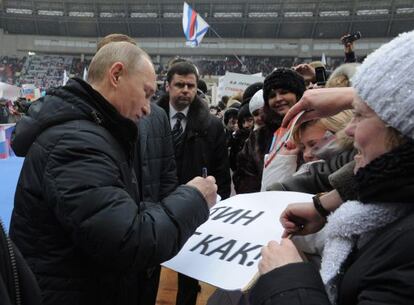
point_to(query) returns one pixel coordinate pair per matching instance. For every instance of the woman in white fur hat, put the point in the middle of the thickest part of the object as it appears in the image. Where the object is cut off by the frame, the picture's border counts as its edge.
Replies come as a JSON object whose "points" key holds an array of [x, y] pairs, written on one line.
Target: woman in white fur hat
{"points": [[369, 251]]}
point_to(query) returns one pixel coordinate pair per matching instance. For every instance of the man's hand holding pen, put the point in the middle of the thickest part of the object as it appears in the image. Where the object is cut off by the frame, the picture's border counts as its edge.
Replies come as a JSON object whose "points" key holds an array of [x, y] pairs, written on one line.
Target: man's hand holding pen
{"points": [[207, 186]]}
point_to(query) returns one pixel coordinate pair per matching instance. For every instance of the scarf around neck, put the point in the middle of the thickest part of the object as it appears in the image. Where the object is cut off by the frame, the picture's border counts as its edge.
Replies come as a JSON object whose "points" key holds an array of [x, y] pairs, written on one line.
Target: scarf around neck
{"points": [[384, 188], [389, 178], [346, 226]]}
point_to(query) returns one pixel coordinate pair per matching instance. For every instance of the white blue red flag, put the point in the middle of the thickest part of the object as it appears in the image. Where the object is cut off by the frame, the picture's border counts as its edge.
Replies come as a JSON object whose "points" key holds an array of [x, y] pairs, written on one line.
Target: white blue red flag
{"points": [[4, 150], [194, 26]]}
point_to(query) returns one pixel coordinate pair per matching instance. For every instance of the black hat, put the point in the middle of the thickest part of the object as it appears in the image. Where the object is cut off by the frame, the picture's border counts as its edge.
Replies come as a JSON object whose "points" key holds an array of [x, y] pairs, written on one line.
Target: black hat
{"points": [[250, 91], [201, 85], [284, 78], [230, 113], [244, 113]]}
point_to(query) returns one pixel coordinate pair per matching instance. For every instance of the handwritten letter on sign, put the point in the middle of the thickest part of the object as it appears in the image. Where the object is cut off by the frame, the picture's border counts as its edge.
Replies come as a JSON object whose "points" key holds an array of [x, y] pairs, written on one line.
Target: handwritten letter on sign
{"points": [[225, 250]]}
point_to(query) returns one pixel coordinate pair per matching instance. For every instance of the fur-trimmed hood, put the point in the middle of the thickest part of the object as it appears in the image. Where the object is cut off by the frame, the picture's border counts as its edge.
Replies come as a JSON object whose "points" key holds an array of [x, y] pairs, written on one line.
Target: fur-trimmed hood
{"points": [[347, 70]]}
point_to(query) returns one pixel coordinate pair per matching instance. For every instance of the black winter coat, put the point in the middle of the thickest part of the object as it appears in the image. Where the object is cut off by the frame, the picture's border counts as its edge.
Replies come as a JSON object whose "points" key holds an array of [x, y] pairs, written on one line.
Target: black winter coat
{"points": [[382, 272], [18, 285], [248, 175], [76, 217], [156, 159], [204, 145]]}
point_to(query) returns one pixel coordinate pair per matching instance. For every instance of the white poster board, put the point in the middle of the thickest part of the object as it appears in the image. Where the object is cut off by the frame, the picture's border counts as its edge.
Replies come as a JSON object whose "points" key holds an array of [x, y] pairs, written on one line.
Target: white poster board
{"points": [[232, 83], [225, 250], [9, 92]]}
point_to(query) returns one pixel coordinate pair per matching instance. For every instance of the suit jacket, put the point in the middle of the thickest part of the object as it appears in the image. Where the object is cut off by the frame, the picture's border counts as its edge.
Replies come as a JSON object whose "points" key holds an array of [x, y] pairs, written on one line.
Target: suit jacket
{"points": [[204, 145]]}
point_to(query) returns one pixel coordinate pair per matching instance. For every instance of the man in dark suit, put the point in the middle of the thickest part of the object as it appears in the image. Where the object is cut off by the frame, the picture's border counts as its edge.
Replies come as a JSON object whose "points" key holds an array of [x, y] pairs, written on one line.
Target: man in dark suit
{"points": [[199, 142]]}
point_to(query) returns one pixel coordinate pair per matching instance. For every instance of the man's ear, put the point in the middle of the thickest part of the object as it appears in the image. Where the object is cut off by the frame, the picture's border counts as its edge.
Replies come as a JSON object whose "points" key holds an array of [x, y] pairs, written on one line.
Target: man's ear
{"points": [[167, 87], [116, 71]]}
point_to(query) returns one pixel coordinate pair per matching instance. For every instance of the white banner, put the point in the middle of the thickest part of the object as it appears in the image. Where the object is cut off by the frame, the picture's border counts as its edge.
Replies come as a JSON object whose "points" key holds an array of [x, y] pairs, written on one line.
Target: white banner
{"points": [[225, 250], [232, 83], [9, 92]]}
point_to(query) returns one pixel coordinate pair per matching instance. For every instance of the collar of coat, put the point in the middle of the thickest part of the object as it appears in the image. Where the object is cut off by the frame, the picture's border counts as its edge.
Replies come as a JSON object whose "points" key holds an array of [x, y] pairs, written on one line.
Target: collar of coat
{"points": [[75, 101], [198, 117]]}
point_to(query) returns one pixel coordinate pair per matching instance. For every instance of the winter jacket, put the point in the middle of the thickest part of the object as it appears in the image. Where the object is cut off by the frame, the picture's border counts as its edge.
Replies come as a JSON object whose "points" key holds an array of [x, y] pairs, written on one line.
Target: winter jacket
{"points": [[77, 219], [155, 160], [18, 285], [381, 272], [316, 178], [248, 175], [156, 156], [204, 145], [236, 144]]}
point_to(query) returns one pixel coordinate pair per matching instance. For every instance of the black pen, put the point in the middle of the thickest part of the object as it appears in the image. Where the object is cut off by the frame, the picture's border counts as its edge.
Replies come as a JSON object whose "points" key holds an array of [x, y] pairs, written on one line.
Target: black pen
{"points": [[204, 172]]}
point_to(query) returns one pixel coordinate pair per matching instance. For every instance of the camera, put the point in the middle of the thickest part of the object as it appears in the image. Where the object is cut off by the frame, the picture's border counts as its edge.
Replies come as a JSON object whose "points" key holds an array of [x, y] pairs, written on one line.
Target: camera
{"points": [[320, 75], [351, 37]]}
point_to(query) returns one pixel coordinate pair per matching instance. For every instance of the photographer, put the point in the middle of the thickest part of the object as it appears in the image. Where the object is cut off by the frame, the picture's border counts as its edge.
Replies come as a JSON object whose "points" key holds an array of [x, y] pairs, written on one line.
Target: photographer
{"points": [[348, 42]]}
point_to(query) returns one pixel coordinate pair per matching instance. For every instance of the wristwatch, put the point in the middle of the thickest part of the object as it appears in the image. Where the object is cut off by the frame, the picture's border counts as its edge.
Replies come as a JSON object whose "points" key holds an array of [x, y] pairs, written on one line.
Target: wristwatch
{"points": [[318, 205]]}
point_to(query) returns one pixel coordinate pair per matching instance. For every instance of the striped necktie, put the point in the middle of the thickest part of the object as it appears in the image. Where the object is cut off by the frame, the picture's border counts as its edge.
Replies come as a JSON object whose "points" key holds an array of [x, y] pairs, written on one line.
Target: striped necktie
{"points": [[178, 131]]}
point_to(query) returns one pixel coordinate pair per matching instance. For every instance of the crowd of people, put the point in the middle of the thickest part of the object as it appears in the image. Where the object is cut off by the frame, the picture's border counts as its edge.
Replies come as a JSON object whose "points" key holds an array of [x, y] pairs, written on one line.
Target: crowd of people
{"points": [[10, 69], [113, 183], [47, 71]]}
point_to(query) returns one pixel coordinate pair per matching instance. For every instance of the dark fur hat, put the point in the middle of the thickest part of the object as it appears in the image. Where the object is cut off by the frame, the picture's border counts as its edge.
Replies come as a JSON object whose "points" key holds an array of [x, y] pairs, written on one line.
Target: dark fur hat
{"points": [[284, 78]]}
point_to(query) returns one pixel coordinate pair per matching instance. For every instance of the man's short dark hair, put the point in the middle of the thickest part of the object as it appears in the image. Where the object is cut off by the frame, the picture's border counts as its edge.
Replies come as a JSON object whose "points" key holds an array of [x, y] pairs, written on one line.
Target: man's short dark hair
{"points": [[181, 68]]}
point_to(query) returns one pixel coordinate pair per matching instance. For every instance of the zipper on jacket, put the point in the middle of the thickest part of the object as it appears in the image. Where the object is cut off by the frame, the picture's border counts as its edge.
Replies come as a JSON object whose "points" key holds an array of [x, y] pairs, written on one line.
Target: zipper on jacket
{"points": [[13, 266]]}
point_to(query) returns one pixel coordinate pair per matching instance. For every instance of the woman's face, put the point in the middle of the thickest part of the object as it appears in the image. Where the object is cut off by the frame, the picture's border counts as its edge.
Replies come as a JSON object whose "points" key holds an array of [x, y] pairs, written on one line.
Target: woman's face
{"points": [[281, 100], [232, 124], [308, 139], [369, 132], [248, 122], [258, 117]]}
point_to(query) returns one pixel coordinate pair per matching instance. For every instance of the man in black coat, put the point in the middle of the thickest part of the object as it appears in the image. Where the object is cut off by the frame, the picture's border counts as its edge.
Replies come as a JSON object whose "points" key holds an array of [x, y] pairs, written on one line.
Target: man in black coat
{"points": [[199, 142], [155, 163], [77, 218]]}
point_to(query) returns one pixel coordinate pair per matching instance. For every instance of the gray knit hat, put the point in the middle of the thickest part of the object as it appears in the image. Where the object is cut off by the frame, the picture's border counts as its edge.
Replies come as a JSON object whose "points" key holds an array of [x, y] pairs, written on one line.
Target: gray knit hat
{"points": [[385, 81]]}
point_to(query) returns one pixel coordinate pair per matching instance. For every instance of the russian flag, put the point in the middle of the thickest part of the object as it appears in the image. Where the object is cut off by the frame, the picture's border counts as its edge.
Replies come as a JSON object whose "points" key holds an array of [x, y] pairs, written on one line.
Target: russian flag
{"points": [[194, 26]]}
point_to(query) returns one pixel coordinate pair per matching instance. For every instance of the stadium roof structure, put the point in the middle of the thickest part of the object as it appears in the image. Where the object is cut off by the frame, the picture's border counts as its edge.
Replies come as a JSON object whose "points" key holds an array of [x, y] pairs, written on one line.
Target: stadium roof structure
{"points": [[267, 19]]}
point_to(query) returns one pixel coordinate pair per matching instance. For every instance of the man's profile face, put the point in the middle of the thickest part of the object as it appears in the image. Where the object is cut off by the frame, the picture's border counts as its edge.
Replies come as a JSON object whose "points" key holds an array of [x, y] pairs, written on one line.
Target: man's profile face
{"points": [[135, 92], [182, 90]]}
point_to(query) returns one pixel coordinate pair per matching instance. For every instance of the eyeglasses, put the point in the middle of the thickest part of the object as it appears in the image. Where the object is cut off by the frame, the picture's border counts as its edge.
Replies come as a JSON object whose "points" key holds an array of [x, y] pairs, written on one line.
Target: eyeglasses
{"points": [[181, 85]]}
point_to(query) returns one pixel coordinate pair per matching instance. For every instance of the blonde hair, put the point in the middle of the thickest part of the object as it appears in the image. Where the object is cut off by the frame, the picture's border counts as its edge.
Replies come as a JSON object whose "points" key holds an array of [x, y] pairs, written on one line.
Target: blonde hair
{"points": [[125, 52], [335, 124], [237, 96], [114, 38], [338, 121]]}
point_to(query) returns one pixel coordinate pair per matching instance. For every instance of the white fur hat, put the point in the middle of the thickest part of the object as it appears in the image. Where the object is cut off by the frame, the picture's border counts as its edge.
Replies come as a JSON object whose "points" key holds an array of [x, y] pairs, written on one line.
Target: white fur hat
{"points": [[256, 101], [385, 81]]}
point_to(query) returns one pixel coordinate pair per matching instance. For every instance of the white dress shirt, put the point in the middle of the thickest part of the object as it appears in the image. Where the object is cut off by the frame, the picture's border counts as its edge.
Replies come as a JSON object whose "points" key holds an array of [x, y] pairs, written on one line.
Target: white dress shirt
{"points": [[173, 119]]}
